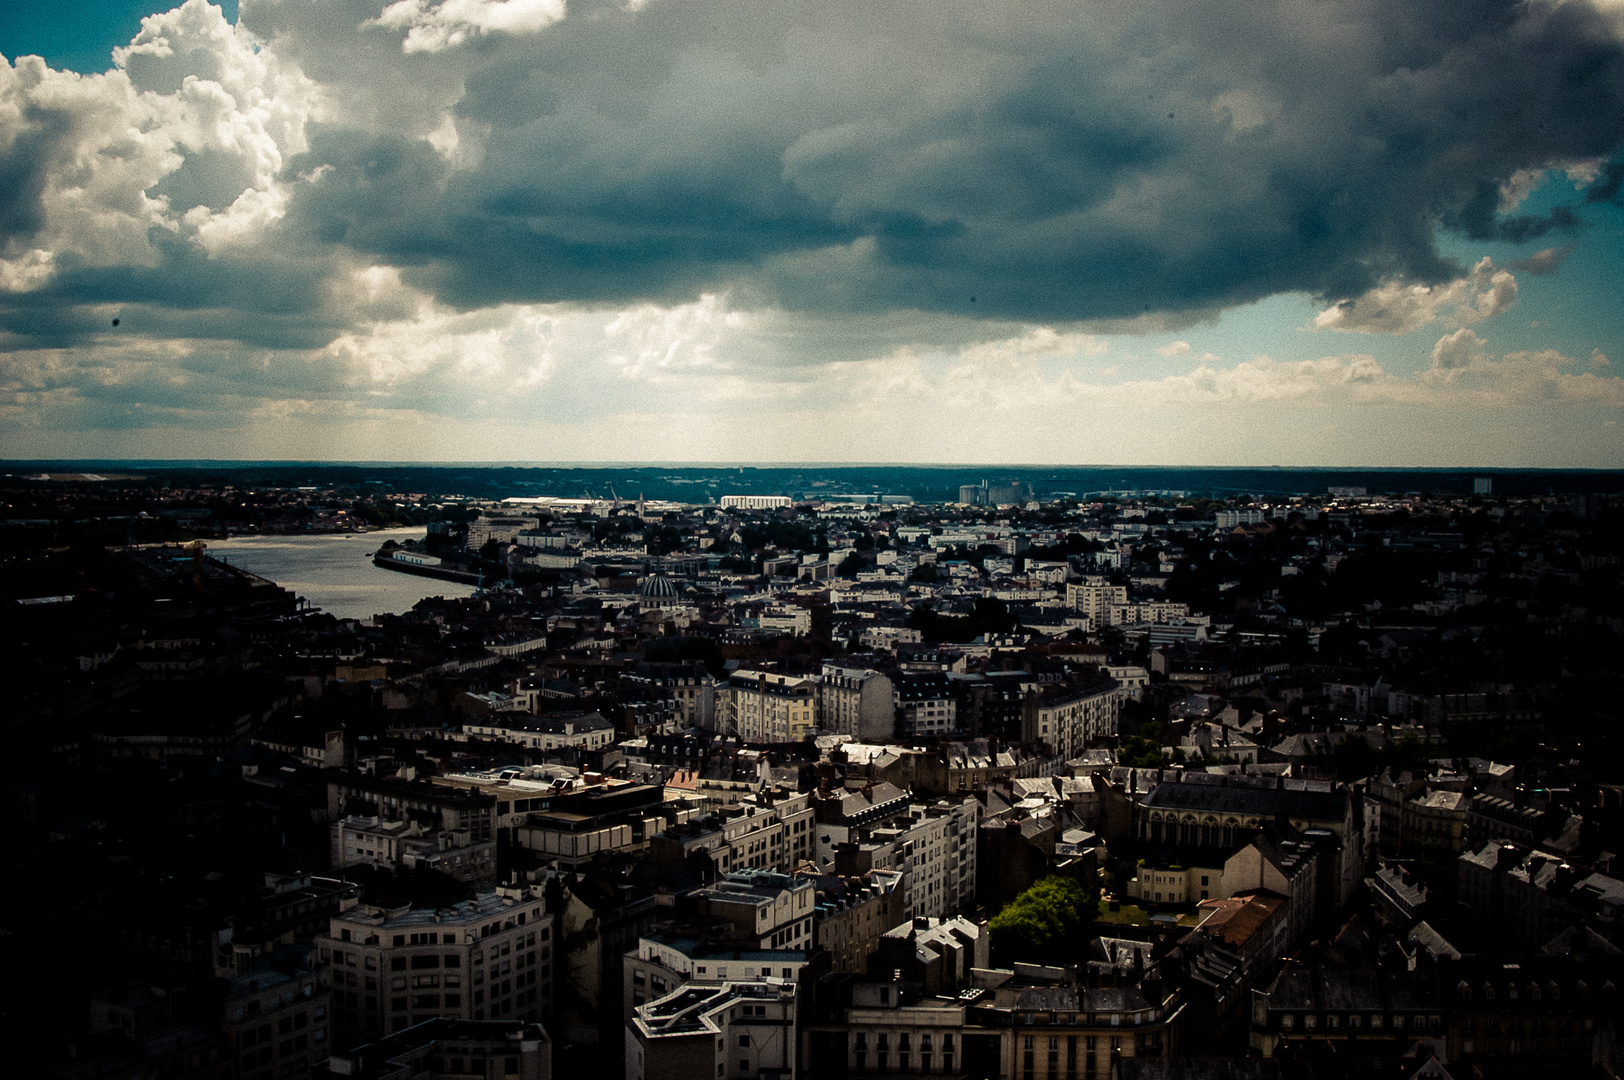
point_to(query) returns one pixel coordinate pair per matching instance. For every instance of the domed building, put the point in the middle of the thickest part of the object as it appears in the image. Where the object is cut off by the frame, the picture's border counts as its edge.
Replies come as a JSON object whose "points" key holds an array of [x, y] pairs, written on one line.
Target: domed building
{"points": [[658, 591]]}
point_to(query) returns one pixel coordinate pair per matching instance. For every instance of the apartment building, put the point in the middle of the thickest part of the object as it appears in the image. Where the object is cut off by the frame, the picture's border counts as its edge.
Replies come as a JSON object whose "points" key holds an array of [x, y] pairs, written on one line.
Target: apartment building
{"points": [[786, 619], [891, 1027], [769, 829], [754, 502], [675, 958], [689, 685], [1070, 717], [1131, 679], [1156, 612], [276, 1023], [434, 805], [852, 915], [369, 841], [1030, 1023], [857, 702], [933, 845], [735, 1031], [502, 529], [749, 924], [765, 707], [773, 911], [589, 731], [443, 1049], [489, 958], [1094, 597], [927, 704]]}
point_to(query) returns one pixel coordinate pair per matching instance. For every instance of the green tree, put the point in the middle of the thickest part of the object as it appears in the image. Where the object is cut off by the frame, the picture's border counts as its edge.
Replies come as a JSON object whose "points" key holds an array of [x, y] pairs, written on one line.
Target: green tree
{"points": [[1048, 923]]}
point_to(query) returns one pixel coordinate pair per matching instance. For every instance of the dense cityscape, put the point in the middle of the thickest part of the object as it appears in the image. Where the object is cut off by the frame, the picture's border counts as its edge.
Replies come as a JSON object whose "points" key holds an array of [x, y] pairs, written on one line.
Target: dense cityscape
{"points": [[822, 773]]}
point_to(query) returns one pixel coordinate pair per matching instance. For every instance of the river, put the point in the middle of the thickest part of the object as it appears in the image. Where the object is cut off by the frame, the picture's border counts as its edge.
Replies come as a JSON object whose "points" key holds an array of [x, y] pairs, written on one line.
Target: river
{"points": [[335, 573]]}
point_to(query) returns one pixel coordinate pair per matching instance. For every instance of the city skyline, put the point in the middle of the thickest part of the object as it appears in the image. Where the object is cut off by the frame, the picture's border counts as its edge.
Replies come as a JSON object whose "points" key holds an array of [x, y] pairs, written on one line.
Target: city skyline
{"points": [[1352, 234]]}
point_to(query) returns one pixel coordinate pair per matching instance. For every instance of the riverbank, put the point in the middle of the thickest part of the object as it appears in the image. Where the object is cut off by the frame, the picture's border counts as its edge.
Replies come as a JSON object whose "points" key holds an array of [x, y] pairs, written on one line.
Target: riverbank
{"points": [[440, 572]]}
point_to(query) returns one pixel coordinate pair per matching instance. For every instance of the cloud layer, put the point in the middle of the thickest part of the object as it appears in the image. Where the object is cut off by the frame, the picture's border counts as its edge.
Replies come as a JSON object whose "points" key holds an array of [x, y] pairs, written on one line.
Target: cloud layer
{"points": [[440, 208]]}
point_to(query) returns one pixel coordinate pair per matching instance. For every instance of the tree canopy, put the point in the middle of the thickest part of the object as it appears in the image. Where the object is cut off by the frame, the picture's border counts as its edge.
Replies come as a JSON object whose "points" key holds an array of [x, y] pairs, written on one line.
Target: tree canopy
{"points": [[1047, 923]]}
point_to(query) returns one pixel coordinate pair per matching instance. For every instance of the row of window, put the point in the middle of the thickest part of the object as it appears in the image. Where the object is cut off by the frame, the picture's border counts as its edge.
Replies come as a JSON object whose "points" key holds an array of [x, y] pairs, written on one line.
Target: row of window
{"points": [[1357, 1021], [882, 1061], [882, 1040]]}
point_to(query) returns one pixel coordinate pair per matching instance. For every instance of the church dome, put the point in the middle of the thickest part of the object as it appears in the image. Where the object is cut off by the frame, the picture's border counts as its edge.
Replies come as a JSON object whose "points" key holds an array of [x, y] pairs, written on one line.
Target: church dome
{"points": [[657, 587]]}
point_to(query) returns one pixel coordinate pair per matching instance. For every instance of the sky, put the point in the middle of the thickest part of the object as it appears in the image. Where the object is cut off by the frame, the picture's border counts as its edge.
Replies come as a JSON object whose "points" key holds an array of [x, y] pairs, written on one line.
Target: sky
{"points": [[1303, 232]]}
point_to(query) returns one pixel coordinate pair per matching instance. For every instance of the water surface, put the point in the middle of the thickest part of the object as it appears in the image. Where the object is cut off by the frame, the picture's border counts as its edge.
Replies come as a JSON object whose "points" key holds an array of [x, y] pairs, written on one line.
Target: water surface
{"points": [[335, 573]]}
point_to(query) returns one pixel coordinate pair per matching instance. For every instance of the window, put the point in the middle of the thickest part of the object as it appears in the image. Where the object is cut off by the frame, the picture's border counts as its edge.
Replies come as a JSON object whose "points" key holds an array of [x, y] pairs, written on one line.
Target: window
{"points": [[744, 1041]]}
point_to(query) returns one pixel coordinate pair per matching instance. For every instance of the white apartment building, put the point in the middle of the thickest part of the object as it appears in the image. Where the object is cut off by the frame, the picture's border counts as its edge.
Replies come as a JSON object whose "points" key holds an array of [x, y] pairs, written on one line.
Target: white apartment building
{"points": [[1159, 612], [589, 732], [489, 958], [787, 619], [884, 637], [1131, 680], [765, 707], [754, 502], [1094, 597]]}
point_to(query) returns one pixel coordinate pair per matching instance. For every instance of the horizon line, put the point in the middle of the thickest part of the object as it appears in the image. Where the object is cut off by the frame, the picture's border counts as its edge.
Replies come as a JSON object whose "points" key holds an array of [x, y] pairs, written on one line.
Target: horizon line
{"points": [[162, 463]]}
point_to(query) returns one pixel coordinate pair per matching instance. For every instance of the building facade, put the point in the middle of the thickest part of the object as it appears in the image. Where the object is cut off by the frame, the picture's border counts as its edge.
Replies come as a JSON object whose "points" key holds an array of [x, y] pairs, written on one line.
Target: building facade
{"points": [[765, 707], [490, 958]]}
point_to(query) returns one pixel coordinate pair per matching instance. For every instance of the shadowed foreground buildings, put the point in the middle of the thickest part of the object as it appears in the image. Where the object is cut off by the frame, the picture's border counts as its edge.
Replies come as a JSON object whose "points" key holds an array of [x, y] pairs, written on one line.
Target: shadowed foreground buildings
{"points": [[449, 1050], [770, 785]]}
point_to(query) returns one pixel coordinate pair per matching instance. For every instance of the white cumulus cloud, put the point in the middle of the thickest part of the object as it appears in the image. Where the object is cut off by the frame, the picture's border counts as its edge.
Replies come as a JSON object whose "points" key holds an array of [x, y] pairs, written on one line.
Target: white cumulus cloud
{"points": [[432, 27], [1397, 308]]}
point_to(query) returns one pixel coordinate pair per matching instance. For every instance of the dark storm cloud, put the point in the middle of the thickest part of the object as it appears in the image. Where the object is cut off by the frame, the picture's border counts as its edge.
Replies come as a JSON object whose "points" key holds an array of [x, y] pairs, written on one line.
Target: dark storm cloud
{"points": [[1606, 190], [1054, 162], [1041, 161], [266, 298]]}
